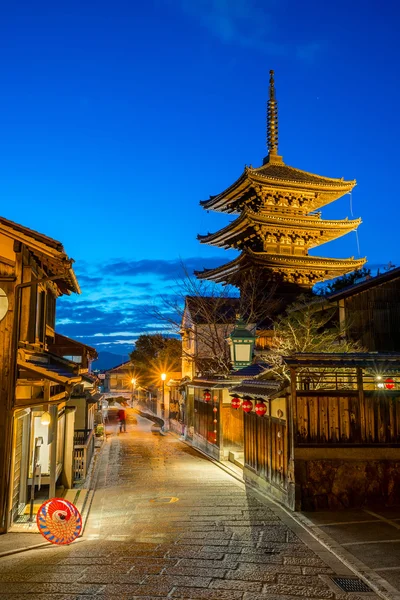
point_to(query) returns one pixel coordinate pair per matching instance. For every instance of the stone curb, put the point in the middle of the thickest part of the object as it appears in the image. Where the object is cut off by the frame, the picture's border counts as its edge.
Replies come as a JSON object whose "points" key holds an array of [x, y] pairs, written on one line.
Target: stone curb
{"points": [[377, 584]]}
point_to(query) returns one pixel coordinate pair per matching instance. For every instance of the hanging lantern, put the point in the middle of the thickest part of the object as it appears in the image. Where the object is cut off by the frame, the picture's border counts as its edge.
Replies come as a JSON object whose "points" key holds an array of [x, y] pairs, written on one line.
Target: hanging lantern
{"points": [[207, 396], [247, 405], [260, 408], [235, 402], [389, 383]]}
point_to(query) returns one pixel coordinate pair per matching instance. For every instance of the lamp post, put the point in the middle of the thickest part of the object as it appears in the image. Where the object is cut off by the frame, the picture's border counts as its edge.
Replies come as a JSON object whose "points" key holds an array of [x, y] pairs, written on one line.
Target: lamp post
{"points": [[133, 382], [241, 342], [163, 378]]}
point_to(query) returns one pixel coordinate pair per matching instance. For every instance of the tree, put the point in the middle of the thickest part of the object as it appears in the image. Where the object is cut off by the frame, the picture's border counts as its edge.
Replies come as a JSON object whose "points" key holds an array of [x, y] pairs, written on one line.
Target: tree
{"points": [[155, 354], [340, 283], [306, 327], [205, 314]]}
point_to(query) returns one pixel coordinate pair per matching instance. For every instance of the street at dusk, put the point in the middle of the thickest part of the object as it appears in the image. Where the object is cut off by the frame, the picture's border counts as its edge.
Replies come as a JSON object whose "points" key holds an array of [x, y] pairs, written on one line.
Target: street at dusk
{"points": [[199, 300], [166, 522]]}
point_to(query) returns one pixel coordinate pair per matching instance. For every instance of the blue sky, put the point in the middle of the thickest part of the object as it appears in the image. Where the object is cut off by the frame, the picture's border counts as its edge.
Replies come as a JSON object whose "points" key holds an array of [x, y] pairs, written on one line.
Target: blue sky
{"points": [[117, 118]]}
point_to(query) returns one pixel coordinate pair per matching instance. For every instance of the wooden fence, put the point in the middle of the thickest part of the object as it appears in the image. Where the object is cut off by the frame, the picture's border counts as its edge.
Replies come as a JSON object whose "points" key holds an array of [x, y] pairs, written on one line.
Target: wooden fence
{"points": [[367, 418], [266, 447], [83, 452]]}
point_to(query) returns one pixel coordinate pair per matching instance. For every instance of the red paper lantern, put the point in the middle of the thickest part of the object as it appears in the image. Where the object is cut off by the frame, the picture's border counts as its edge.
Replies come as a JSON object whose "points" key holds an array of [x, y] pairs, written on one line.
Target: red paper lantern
{"points": [[260, 409], [247, 406], [207, 396], [235, 403], [389, 383]]}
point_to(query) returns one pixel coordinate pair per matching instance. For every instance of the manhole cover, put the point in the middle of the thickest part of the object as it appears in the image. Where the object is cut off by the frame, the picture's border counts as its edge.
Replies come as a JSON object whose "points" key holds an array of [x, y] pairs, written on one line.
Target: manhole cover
{"points": [[351, 584], [165, 500]]}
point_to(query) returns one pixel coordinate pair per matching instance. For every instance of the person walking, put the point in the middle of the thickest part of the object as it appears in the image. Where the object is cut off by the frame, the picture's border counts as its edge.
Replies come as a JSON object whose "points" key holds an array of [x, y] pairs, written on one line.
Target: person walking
{"points": [[122, 419]]}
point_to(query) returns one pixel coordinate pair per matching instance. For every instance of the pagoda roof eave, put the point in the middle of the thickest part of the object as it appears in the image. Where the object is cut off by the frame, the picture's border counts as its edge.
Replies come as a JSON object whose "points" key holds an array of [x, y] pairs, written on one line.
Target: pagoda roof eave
{"points": [[333, 228], [288, 176], [278, 176], [308, 262], [218, 202], [332, 267]]}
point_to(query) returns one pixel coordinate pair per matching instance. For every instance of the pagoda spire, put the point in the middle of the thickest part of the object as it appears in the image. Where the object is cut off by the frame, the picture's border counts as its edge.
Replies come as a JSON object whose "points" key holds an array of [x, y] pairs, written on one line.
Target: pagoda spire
{"points": [[272, 123]]}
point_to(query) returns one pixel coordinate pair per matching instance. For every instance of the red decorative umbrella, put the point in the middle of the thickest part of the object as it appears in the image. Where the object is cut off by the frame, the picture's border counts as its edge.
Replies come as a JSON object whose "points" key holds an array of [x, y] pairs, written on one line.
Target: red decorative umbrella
{"points": [[59, 521], [235, 403], [247, 405], [260, 408]]}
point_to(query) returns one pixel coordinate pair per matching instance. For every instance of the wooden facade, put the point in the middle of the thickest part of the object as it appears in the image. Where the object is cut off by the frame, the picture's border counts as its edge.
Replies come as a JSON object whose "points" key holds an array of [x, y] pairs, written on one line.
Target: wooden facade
{"points": [[34, 272], [331, 439], [374, 301], [119, 378], [211, 425]]}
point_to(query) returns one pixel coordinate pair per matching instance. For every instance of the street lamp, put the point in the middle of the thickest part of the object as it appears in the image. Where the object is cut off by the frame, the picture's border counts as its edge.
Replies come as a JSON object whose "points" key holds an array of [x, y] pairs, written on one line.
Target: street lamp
{"points": [[163, 378], [241, 342], [133, 382]]}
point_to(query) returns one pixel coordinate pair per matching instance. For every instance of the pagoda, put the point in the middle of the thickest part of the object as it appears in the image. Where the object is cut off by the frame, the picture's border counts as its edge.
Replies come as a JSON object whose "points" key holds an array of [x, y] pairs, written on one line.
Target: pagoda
{"points": [[278, 222]]}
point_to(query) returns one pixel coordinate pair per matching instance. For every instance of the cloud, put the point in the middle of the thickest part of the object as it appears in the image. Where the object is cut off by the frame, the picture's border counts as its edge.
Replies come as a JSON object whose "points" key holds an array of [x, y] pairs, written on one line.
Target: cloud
{"points": [[118, 299], [168, 270], [248, 23]]}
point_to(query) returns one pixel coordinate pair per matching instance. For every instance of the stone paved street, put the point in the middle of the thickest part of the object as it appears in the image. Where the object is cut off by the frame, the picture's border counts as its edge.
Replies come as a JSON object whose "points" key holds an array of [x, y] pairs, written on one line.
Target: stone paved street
{"points": [[167, 523]]}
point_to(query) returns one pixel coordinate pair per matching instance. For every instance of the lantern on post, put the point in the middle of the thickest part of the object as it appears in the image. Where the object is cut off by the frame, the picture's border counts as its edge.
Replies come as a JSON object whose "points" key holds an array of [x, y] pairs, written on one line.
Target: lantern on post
{"points": [[241, 342], [207, 396], [260, 408], [235, 402], [247, 405]]}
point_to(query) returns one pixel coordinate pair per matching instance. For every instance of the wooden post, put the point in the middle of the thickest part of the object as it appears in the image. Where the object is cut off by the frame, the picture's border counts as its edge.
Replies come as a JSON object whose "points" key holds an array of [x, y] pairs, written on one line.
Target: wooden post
{"points": [[291, 421], [53, 451], [269, 440], [361, 399]]}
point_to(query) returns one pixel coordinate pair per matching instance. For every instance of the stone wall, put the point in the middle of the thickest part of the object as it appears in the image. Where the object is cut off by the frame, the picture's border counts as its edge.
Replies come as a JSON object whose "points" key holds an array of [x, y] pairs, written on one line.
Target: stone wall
{"points": [[339, 483]]}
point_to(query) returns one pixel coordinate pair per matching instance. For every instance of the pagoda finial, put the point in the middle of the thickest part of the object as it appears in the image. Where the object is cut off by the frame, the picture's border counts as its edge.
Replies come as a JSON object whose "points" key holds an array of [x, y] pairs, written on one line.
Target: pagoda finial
{"points": [[272, 118]]}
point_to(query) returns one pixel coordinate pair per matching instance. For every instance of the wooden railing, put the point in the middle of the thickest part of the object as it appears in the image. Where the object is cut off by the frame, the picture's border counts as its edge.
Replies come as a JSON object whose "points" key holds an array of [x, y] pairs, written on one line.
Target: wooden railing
{"points": [[83, 452], [266, 447]]}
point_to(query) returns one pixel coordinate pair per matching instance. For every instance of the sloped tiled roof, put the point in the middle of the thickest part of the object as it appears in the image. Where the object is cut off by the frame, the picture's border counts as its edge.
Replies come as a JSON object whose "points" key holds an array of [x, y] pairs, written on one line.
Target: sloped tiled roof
{"points": [[286, 173], [39, 237]]}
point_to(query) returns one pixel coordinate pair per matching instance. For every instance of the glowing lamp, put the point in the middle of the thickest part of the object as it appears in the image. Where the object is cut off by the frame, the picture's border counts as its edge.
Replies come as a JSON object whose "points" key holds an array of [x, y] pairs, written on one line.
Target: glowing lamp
{"points": [[247, 405], [235, 402], [207, 396], [260, 408], [241, 342], [163, 376], [45, 419], [389, 383]]}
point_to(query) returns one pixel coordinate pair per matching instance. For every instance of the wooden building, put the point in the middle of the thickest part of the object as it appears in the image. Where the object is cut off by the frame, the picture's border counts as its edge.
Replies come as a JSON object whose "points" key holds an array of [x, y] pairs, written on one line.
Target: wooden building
{"points": [[207, 322], [84, 400], [278, 223], [210, 424], [373, 301], [329, 440], [36, 426], [119, 378]]}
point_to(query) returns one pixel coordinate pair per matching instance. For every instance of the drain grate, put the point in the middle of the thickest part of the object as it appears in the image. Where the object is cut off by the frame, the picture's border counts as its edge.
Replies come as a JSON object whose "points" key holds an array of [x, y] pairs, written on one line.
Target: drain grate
{"points": [[351, 584]]}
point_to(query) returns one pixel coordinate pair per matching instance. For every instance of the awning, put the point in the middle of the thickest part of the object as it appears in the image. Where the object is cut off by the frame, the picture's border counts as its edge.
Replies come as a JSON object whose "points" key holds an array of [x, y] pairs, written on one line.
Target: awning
{"points": [[258, 388], [57, 373]]}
